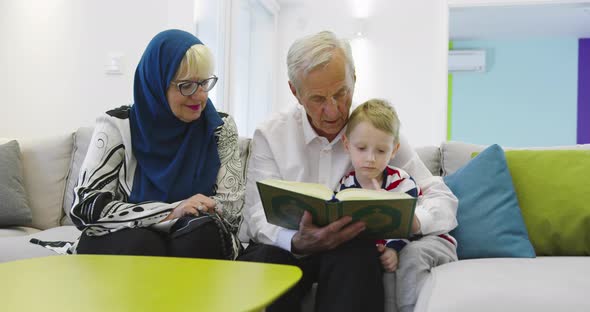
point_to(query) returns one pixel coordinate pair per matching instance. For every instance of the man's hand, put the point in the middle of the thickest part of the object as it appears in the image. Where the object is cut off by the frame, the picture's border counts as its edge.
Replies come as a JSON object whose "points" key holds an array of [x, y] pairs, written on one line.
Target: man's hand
{"points": [[311, 238], [388, 258]]}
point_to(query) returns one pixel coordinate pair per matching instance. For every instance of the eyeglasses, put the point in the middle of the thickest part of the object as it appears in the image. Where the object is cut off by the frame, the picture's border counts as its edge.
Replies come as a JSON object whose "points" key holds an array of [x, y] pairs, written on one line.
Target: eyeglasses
{"points": [[189, 87]]}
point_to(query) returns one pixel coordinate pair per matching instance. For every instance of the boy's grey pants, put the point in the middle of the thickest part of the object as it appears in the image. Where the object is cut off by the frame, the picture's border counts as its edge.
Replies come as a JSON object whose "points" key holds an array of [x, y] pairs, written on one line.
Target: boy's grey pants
{"points": [[415, 262]]}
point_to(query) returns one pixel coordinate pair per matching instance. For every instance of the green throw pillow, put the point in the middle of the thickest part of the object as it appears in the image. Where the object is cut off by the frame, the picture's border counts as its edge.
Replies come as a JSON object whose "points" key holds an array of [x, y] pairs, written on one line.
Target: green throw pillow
{"points": [[553, 190]]}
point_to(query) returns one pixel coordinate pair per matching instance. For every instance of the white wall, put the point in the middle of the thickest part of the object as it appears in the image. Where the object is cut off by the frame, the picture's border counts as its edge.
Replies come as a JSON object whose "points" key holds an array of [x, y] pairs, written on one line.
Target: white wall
{"points": [[403, 57], [53, 56]]}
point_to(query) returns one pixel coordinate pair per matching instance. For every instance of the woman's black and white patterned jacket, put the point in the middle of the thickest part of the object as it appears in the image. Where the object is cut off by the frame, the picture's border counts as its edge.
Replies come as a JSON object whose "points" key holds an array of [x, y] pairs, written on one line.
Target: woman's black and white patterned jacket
{"points": [[106, 180]]}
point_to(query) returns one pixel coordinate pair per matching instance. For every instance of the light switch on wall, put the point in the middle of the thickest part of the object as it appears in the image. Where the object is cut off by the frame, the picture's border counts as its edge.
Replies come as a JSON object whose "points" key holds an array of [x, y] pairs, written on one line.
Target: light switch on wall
{"points": [[114, 64]]}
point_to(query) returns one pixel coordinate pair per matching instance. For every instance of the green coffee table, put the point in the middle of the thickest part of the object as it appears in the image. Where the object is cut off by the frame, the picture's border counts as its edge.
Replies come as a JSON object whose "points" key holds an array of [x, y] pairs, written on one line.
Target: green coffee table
{"points": [[132, 283]]}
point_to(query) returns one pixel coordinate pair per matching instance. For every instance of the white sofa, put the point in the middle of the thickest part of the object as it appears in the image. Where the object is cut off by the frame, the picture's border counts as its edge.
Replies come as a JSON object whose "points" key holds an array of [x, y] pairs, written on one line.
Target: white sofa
{"points": [[51, 167]]}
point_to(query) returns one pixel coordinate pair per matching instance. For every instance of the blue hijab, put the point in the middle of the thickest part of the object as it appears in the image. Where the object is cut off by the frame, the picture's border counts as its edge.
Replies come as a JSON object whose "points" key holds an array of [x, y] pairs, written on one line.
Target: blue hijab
{"points": [[175, 160]]}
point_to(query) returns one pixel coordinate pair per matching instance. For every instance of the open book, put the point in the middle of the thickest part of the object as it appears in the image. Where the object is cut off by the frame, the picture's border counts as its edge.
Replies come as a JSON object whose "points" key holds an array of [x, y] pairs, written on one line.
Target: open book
{"points": [[387, 214]]}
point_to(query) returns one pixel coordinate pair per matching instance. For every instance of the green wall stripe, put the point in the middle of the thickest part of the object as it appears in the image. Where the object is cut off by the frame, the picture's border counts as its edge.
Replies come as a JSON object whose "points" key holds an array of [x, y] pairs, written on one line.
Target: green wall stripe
{"points": [[449, 100]]}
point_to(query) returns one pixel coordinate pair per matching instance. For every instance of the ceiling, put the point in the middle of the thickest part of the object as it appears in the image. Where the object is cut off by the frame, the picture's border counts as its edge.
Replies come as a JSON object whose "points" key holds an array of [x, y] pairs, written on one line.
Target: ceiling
{"points": [[482, 19], [539, 20]]}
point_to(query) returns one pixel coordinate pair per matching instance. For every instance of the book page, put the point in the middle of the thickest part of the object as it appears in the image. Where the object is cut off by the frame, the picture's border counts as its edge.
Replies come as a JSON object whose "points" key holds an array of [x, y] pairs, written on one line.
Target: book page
{"points": [[311, 189], [364, 194]]}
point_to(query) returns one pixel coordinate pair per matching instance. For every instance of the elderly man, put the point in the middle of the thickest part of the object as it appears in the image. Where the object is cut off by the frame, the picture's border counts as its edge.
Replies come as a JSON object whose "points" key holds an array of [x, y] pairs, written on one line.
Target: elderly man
{"points": [[304, 144]]}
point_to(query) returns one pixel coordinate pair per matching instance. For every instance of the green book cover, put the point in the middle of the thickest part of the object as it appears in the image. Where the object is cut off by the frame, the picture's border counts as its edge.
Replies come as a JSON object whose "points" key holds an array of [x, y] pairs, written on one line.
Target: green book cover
{"points": [[386, 214]]}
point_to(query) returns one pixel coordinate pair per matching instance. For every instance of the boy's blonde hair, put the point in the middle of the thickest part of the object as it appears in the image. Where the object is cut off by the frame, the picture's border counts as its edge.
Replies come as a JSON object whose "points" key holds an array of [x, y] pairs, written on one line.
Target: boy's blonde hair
{"points": [[380, 114], [198, 60]]}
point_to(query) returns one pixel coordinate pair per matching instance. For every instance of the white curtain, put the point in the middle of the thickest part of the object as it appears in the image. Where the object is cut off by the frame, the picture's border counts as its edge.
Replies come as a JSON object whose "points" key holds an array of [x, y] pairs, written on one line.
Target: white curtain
{"points": [[242, 35]]}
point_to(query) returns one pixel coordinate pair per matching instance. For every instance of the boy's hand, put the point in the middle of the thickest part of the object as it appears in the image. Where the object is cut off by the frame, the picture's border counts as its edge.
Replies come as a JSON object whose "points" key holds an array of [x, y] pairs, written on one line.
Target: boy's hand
{"points": [[388, 258], [416, 225]]}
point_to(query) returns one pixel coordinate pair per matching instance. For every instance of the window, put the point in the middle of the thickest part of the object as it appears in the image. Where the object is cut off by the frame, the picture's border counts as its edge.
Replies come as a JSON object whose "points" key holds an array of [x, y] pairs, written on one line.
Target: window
{"points": [[243, 37]]}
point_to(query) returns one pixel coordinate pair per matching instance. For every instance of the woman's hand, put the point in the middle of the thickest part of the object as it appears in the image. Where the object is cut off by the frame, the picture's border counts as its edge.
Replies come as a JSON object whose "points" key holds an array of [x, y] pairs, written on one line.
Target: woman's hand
{"points": [[201, 203], [192, 206]]}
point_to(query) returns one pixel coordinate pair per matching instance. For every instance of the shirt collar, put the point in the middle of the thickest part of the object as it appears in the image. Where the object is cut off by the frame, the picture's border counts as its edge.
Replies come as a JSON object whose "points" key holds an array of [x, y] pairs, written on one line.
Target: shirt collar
{"points": [[309, 133], [383, 184]]}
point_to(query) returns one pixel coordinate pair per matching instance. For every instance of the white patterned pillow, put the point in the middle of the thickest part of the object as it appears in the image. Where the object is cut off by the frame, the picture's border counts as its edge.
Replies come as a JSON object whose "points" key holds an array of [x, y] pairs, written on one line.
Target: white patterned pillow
{"points": [[81, 141]]}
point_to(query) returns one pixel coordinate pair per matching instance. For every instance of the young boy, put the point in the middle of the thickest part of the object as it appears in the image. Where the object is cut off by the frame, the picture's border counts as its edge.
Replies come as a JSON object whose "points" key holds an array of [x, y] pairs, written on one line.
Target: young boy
{"points": [[372, 139]]}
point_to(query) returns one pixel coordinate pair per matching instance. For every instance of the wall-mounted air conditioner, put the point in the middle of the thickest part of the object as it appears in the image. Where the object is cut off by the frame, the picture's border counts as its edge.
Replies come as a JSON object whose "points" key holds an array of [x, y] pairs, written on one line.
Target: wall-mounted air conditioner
{"points": [[467, 60]]}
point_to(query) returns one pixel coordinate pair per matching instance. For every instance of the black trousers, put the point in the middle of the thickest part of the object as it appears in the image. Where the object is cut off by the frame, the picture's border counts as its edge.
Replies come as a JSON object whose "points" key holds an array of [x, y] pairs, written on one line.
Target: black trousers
{"points": [[349, 277], [202, 242]]}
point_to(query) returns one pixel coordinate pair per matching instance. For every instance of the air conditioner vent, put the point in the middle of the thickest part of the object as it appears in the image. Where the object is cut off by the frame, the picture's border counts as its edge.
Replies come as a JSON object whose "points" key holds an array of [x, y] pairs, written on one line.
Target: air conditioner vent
{"points": [[467, 61]]}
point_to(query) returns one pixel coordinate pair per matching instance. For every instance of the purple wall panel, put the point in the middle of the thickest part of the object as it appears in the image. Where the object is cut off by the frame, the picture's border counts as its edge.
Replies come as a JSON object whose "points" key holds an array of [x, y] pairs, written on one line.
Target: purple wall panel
{"points": [[584, 91]]}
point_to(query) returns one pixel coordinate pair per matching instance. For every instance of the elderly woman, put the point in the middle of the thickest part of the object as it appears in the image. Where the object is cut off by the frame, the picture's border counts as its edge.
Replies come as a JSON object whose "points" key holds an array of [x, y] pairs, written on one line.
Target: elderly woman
{"points": [[163, 176]]}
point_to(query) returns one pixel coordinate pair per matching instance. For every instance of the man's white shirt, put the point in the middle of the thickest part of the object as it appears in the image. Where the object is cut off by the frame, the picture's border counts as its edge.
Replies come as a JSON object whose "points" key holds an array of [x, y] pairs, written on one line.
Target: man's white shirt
{"points": [[287, 147]]}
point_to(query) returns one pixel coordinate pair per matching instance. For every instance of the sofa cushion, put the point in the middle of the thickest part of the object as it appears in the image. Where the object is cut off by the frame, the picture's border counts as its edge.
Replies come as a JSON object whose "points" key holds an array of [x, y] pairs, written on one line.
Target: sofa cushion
{"points": [[455, 155], [554, 196], [45, 166], [490, 223], [244, 146], [81, 141], [16, 248], [14, 206], [16, 231], [430, 156], [543, 284]]}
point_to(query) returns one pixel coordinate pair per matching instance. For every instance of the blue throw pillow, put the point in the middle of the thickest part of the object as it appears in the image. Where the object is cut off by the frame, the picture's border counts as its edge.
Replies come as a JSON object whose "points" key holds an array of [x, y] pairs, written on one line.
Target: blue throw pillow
{"points": [[490, 221]]}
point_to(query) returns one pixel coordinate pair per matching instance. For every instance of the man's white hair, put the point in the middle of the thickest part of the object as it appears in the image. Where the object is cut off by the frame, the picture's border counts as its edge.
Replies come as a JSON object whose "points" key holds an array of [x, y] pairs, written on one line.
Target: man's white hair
{"points": [[311, 52]]}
